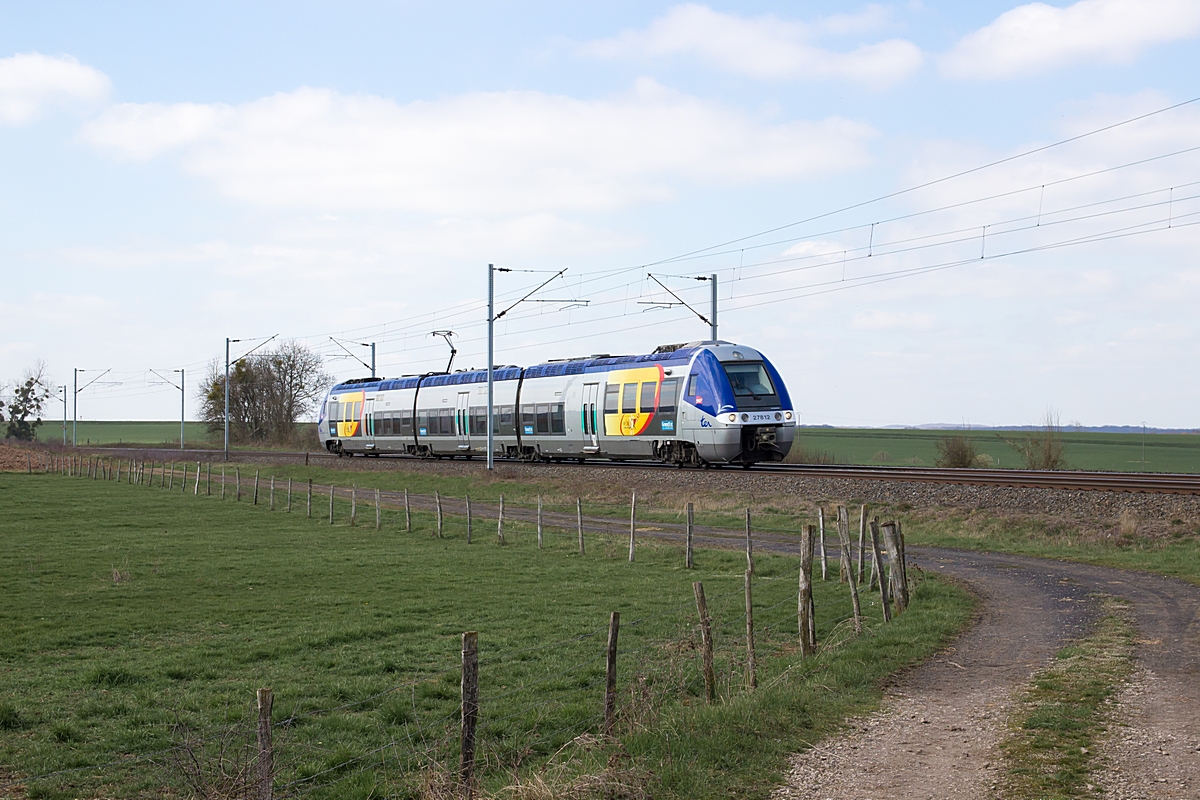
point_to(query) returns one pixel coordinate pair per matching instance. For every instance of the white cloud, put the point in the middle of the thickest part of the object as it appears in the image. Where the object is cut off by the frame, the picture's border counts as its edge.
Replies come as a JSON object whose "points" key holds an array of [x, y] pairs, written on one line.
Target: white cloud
{"points": [[504, 153], [31, 82], [1033, 38], [766, 47]]}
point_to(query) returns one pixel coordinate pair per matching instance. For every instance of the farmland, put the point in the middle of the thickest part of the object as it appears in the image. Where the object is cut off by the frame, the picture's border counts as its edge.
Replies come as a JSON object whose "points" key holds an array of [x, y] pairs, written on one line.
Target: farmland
{"points": [[139, 620], [1116, 452]]}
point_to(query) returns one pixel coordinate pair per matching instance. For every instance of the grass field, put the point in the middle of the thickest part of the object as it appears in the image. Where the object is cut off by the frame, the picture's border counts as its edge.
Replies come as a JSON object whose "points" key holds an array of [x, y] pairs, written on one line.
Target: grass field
{"points": [[137, 620], [1118, 452]]}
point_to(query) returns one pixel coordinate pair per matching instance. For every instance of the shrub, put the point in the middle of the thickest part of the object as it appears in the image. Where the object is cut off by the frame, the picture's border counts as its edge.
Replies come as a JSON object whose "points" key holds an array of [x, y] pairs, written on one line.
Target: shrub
{"points": [[956, 451]]}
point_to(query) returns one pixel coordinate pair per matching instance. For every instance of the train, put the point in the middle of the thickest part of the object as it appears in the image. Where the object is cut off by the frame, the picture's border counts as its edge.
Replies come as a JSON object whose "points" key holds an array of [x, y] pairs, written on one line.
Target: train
{"points": [[697, 404]]}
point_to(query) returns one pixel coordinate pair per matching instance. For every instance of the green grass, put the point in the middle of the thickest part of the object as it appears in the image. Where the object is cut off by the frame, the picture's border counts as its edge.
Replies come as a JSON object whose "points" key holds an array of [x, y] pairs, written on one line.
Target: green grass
{"points": [[1118, 452], [135, 618], [155, 433], [1054, 727]]}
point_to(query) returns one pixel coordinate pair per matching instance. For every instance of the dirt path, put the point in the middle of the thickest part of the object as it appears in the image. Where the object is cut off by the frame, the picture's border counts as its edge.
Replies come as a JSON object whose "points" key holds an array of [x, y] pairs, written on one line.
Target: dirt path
{"points": [[938, 732]]}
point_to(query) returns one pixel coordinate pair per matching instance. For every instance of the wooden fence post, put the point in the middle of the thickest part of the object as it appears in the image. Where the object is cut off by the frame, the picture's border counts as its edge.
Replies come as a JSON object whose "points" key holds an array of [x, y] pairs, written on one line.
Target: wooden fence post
{"points": [[437, 498], [208, 479], [706, 643], [171, 485], [877, 571], [579, 521], [749, 545], [353, 505], [407, 513], [821, 530], [806, 623], [845, 563], [851, 578], [751, 664], [378, 513], [500, 522], [862, 540], [468, 497], [610, 686], [289, 500], [903, 561], [539, 522], [196, 490], [896, 579], [266, 755], [331, 491], [272, 492], [309, 501], [255, 487], [469, 712], [632, 523], [183, 483], [688, 561], [28, 463], [237, 484]]}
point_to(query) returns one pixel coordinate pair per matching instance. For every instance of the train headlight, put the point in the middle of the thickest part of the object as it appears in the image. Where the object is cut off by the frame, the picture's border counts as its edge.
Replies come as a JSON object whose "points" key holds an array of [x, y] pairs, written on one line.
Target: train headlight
{"points": [[787, 415], [778, 416], [733, 417], [745, 417]]}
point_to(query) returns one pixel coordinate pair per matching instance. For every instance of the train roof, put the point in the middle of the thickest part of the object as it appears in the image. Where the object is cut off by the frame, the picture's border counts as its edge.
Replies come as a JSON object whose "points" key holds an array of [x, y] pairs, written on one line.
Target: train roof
{"points": [[666, 354]]}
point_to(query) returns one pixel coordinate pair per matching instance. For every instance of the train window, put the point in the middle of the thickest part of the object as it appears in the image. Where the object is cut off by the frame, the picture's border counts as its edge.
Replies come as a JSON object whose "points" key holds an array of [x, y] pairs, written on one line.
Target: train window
{"points": [[447, 417], [543, 418], [749, 379], [508, 422], [528, 420], [691, 387], [666, 397], [629, 398], [383, 423], [357, 410], [649, 389], [405, 422], [423, 423], [610, 398], [479, 420], [557, 419]]}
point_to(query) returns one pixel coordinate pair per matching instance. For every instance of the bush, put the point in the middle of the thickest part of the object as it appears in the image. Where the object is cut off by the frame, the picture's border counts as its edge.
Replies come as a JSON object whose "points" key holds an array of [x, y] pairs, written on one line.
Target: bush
{"points": [[957, 451]]}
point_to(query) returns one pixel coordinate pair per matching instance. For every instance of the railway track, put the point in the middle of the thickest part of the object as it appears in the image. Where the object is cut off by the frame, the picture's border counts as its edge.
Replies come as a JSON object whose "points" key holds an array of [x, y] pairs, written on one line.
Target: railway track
{"points": [[1067, 480]]}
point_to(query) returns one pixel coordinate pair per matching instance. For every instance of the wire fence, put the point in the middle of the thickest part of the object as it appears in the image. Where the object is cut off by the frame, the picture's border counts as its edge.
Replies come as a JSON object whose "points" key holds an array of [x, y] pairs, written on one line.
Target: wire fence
{"points": [[535, 702]]}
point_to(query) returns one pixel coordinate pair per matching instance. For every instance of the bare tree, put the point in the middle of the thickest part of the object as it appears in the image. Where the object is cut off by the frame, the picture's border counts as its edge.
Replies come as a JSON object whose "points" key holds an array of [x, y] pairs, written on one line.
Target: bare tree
{"points": [[269, 393], [1044, 448], [27, 399]]}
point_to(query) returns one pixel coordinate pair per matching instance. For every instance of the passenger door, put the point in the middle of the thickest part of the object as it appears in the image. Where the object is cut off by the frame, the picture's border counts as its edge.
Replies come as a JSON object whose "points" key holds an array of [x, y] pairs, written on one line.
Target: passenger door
{"points": [[368, 422], [462, 420], [591, 417]]}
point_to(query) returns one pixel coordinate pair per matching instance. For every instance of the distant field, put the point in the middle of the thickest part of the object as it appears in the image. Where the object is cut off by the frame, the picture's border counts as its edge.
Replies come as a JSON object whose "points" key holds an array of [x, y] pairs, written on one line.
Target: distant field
{"points": [[1120, 452], [138, 432]]}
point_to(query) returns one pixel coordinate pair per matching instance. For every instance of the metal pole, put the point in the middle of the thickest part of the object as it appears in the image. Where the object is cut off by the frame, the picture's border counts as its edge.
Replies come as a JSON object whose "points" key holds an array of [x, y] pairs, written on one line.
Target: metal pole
{"points": [[64, 391], [491, 424], [181, 409], [714, 307], [75, 410], [372, 359], [226, 398]]}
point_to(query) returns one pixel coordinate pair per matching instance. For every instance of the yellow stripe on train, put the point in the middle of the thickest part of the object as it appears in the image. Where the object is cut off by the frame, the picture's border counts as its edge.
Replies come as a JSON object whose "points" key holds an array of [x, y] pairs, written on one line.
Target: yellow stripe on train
{"points": [[632, 423]]}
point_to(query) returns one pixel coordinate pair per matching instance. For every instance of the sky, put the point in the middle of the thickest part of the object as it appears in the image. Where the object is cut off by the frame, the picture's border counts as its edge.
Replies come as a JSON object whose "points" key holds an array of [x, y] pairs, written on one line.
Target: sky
{"points": [[970, 213]]}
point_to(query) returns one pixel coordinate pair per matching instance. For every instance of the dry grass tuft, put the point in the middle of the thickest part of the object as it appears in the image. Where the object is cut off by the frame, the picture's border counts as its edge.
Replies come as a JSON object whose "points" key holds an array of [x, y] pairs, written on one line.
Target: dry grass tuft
{"points": [[1128, 523]]}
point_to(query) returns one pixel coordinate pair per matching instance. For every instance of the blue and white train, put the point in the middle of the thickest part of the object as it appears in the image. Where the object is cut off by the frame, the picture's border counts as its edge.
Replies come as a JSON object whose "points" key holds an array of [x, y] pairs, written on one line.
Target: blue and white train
{"points": [[693, 404]]}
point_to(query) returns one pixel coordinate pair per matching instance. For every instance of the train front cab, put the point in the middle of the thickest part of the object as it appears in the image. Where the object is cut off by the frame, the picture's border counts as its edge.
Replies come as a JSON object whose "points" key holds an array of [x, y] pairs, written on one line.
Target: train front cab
{"points": [[738, 409]]}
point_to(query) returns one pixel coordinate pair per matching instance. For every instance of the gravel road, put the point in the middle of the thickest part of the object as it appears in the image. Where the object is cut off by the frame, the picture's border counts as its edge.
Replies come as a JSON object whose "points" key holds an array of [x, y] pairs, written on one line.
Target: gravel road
{"points": [[938, 732]]}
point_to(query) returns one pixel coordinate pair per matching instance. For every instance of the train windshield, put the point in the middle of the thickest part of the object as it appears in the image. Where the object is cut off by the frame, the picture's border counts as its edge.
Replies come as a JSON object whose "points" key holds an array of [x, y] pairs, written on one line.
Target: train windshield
{"points": [[749, 380]]}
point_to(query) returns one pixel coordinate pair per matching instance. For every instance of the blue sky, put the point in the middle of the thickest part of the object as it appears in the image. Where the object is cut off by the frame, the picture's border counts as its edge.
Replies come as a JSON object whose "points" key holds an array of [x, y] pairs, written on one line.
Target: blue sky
{"points": [[174, 175]]}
